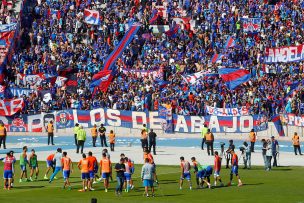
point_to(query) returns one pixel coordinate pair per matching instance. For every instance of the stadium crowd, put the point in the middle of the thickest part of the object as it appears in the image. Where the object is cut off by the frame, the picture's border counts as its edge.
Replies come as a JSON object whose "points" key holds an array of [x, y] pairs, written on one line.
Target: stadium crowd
{"points": [[58, 41]]}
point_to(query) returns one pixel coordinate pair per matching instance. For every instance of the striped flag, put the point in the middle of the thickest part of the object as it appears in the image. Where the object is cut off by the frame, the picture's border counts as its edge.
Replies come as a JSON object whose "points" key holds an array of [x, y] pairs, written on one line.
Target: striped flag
{"points": [[234, 77], [117, 52]]}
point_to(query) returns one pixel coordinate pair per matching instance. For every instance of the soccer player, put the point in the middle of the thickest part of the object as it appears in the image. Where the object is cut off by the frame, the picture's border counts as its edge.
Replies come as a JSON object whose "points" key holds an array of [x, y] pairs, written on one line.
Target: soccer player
{"points": [[49, 165], [33, 165], [84, 166], [105, 170], [92, 169], [217, 168], [67, 167], [197, 170], [234, 168], [9, 161], [23, 162], [148, 155], [109, 157], [127, 175], [58, 166], [132, 169], [148, 175], [205, 175], [185, 173]]}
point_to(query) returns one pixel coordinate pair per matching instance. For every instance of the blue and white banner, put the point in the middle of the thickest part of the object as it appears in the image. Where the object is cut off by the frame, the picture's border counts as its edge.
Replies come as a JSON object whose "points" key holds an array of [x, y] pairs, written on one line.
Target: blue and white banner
{"points": [[8, 27], [284, 54], [133, 119], [242, 111], [19, 92]]}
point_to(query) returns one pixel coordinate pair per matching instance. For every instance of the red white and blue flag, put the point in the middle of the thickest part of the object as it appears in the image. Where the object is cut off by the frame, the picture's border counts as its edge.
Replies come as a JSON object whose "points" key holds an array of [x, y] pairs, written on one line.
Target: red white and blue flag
{"points": [[9, 107], [218, 56], [91, 17], [154, 17], [251, 25], [234, 77], [194, 78], [276, 119], [229, 43], [101, 80]]}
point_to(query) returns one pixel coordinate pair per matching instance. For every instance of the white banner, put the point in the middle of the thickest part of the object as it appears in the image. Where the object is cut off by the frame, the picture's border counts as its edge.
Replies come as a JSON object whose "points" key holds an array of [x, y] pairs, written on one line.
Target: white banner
{"points": [[243, 111]]}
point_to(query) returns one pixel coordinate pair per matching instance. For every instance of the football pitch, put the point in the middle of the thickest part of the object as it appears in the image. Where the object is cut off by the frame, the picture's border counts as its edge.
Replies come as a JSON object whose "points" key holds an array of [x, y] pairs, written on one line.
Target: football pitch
{"points": [[282, 184]]}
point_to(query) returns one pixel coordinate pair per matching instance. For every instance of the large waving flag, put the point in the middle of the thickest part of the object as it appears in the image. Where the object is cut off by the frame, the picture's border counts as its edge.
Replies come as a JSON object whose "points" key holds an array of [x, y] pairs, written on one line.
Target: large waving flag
{"points": [[193, 78], [278, 124], [91, 17], [126, 40], [234, 77], [102, 80]]}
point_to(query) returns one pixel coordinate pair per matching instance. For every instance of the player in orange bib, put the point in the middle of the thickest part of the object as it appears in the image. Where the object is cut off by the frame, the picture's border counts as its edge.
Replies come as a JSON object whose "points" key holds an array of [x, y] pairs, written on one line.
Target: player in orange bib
{"points": [[49, 165], [148, 155], [105, 170], [67, 168], [234, 168], [92, 169], [84, 166]]}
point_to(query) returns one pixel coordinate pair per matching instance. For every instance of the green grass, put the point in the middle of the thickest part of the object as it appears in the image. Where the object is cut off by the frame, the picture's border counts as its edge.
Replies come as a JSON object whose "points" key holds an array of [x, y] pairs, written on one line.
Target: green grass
{"points": [[283, 184]]}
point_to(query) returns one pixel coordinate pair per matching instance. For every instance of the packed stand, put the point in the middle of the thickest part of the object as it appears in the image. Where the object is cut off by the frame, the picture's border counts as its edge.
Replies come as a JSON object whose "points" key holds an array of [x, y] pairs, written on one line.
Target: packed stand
{"points": [[59, 42]]}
